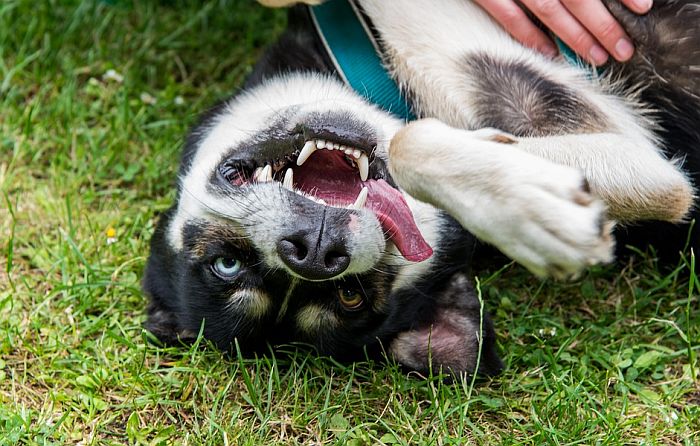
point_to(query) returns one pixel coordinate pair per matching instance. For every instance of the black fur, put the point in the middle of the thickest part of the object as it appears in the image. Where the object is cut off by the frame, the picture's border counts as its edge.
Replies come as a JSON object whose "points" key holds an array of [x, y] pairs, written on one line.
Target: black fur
{"points": [[532, 105]]}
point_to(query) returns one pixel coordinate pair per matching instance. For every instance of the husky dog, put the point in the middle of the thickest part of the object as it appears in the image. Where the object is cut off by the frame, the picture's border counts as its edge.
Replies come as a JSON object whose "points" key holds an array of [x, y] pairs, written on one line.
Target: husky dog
{"points": [[305, 213]]}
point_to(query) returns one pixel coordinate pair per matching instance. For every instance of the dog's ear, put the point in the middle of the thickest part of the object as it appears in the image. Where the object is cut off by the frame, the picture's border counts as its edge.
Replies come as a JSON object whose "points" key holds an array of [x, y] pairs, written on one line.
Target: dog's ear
{"points": [[159, 283], [459, 339]]}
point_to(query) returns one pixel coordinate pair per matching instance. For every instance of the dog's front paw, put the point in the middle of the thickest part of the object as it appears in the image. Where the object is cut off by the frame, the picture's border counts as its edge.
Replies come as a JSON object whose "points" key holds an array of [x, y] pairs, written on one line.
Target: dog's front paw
{"points": [[538, 213], [550, 223]]}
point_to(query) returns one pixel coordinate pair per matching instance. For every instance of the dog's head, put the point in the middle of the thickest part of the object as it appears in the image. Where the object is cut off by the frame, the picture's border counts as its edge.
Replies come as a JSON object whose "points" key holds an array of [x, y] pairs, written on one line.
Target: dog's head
{"points": [[288, 227]]}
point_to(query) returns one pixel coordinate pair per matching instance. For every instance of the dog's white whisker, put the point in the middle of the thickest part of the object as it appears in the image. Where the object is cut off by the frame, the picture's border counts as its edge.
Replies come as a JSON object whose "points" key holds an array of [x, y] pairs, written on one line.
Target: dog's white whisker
{"points": [[363, 165], [309, 148], [360, 200], [288, 181]]}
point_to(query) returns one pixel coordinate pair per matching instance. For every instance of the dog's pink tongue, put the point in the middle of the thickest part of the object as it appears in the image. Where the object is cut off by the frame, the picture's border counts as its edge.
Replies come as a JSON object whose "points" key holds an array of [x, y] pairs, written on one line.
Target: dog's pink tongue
{"points": [[397, 220], [328, 176]]}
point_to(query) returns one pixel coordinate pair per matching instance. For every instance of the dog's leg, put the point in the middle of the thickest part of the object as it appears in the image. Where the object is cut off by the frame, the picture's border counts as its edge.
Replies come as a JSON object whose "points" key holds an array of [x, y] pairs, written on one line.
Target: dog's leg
{"points": [[635, 184], [535, 211], [463, 69]]}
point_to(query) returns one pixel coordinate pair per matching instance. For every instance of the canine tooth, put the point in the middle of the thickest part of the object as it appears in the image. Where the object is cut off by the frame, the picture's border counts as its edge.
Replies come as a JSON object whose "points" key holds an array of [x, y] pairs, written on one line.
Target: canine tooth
{"points": [[266, 174], [256, 174], [306, 152], [363, 165], [361, 199], [288, 179], [356, 153], [320, 144]]}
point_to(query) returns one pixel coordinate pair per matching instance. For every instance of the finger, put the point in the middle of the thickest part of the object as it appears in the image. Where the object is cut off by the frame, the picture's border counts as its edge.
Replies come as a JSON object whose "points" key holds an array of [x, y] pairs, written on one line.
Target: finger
{"points": [[638, 6], [596, 18], [518, 25], [567, 28]]}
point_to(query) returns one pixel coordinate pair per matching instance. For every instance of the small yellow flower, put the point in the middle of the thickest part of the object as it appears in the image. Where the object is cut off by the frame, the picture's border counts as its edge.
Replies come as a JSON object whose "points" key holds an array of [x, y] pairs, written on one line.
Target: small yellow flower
{"points": [[111, 234]]}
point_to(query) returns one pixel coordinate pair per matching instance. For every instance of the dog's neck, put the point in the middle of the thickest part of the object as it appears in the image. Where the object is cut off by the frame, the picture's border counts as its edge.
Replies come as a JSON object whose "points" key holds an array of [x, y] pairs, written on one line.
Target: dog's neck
{"points": [[347, 36]]}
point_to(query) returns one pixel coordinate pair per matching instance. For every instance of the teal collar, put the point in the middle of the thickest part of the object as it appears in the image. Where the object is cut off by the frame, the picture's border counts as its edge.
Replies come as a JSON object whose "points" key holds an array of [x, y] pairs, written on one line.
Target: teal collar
{"points": [[355, 54], [576, 60]]}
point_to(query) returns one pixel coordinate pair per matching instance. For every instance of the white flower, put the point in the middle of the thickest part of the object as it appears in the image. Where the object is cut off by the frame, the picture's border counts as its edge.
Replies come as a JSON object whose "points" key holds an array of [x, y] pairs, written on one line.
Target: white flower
{"points": [[112, 75], [147, 98]]}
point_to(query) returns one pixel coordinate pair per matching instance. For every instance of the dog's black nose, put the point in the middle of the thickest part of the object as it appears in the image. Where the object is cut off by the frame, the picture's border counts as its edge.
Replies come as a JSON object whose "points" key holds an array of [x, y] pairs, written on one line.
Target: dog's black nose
{"points": [[314, 254]]}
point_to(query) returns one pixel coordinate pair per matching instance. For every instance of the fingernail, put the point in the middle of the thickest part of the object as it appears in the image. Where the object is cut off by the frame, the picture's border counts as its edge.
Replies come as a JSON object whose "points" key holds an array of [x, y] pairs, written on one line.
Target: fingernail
{"points": [[623, 49], [643, 5], [598, 55]]}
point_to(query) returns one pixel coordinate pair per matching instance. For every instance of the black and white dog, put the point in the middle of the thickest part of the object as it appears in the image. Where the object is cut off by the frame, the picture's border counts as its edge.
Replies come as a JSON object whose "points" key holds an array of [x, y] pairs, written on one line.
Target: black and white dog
{"points": [[302, 211]]}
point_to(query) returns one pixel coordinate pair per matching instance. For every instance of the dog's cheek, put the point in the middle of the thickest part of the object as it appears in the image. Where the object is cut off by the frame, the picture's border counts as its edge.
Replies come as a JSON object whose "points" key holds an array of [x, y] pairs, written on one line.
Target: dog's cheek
{"points": [[365, 242]]}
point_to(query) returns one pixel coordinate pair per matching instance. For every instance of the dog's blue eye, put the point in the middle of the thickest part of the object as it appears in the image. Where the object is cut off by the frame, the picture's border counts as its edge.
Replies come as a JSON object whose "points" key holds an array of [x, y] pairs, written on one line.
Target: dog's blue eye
{"points": [[226, 267]]}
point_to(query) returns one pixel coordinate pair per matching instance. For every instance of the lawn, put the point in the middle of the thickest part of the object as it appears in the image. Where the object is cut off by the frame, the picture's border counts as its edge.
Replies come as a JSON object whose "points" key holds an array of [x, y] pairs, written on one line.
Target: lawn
{"points": [[95, 99]]}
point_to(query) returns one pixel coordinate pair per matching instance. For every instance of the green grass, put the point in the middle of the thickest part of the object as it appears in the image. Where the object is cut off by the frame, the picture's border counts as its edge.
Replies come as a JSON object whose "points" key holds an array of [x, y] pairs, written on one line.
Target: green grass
{"points": [[609, 359]]}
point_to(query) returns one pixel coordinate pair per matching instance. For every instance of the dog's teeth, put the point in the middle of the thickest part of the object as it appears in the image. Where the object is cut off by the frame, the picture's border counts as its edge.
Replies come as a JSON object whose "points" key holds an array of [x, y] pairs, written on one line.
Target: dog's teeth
{"points": [[336, 146], [256, 174], [356, 153], [348, 152], [288, 179], [306, 152], [266, 174], [360, 200], [320, 144], [363, 165]]}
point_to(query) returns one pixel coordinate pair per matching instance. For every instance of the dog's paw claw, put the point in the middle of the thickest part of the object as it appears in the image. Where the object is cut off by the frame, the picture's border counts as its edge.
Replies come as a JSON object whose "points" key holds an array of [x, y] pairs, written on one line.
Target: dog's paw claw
{"points": [[494, 135]]}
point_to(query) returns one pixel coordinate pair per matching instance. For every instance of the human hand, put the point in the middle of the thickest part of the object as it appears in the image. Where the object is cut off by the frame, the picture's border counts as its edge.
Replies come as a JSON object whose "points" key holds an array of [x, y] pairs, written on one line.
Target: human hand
{"points": [[584, 25]]}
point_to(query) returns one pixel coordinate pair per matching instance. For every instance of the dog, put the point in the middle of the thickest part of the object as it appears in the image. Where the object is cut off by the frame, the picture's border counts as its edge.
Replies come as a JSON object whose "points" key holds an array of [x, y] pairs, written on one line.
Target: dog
{"points": [[305, 213]]}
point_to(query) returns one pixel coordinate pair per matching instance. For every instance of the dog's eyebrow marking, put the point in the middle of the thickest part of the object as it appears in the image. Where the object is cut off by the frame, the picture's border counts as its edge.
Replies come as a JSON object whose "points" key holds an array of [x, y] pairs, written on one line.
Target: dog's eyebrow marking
{"points": [[285, 303], [201, 237], [253, 301], [311, 318]]}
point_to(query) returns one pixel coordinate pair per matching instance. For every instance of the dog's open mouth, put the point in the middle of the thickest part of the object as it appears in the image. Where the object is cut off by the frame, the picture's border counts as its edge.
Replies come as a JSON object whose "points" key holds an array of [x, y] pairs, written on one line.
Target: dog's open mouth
{"points": [[339, 175]]}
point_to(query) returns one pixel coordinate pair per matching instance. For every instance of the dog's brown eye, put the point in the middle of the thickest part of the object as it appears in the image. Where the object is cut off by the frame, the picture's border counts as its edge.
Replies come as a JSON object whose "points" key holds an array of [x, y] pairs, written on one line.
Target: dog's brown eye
{"points": [[350, 299]]}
